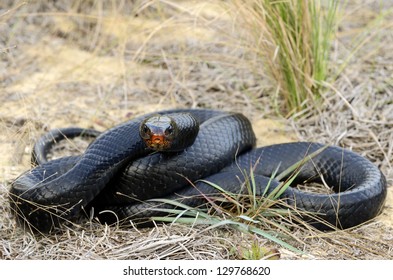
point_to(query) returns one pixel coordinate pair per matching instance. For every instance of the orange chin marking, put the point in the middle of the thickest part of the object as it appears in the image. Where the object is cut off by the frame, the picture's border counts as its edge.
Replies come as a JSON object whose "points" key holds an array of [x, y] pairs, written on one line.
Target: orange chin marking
{"points": [[157, 142]]}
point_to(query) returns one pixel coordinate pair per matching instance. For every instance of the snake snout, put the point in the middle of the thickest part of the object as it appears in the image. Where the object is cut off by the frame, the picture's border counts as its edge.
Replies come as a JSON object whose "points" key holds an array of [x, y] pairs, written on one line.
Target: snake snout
{"points": [[157, 142], [157, 139]]}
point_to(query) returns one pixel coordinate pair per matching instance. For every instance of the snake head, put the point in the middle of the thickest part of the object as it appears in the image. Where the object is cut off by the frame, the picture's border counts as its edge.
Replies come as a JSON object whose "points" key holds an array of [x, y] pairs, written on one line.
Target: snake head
{"points": [[158, 132]]}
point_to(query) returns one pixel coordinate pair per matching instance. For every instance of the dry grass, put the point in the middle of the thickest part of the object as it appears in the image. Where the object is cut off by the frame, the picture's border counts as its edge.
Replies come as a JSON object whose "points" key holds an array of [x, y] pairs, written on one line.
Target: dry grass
{"points": [[293, 40], [99, 63]]}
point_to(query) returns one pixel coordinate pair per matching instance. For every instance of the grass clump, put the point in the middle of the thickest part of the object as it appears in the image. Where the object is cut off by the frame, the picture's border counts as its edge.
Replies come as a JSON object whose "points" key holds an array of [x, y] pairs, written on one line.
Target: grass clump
{"points": [[247, 213], [256, 251], [293, 39]]}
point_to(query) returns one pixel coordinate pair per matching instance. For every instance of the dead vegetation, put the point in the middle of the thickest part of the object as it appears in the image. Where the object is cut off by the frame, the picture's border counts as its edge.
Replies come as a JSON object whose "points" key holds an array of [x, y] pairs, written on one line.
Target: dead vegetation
{"points": [[98, 63]]}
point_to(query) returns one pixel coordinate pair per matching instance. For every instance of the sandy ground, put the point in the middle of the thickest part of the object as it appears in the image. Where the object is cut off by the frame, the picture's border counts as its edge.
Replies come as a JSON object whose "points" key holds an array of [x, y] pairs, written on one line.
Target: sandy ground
{"points": [[95, 66]]}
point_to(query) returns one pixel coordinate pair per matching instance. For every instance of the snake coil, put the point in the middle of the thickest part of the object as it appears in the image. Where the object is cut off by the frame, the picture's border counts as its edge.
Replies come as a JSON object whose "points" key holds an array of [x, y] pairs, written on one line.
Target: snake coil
{"points": [[118, 174]]}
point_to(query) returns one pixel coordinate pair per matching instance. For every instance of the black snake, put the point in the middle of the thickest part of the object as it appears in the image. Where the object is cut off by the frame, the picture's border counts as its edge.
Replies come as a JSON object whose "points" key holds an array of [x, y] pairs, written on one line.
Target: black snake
{"points": [[118, 174]]}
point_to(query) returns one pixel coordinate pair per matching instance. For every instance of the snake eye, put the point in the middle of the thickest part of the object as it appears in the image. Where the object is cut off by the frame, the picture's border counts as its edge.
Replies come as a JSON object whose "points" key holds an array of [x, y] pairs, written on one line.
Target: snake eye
{"points": [[145, 131], [169, 131]]}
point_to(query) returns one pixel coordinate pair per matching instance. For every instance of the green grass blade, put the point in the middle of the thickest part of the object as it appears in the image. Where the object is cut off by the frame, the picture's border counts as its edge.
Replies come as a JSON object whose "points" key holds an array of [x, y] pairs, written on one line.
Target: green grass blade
{"points": [[298, 164]]}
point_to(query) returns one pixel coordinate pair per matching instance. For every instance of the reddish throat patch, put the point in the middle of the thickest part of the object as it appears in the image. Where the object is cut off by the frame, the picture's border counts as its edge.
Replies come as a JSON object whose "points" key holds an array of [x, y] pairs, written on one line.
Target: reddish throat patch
{"points": [[157, 142]]}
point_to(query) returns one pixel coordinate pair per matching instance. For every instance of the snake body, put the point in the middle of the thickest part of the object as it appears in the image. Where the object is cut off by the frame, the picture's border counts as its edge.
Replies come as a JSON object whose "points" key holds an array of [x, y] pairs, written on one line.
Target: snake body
{"points": [[118, 174]]}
